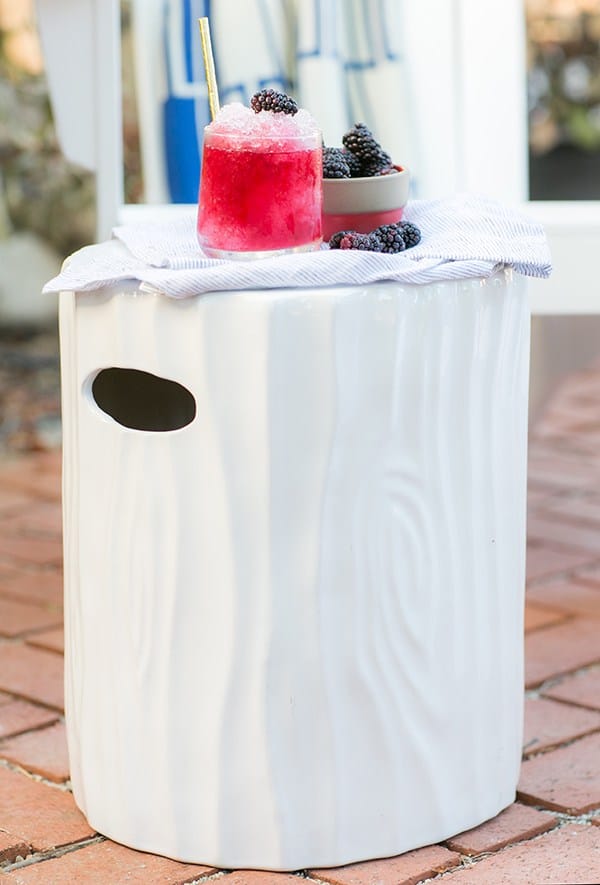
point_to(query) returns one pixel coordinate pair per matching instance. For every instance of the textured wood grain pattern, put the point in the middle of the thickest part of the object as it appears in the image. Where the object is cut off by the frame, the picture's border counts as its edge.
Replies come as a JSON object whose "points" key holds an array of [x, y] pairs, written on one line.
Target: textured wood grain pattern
{"points": [[285, 618]]}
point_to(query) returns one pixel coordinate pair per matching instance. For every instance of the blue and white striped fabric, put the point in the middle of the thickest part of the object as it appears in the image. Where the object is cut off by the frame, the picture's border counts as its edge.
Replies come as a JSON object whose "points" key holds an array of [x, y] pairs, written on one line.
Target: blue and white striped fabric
{"points": [[464, 237], [341, 59]]}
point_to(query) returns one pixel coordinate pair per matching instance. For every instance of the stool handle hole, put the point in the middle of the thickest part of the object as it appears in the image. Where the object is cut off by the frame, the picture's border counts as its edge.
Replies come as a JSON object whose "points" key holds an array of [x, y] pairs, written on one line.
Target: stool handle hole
{"points": [[142, 401]]}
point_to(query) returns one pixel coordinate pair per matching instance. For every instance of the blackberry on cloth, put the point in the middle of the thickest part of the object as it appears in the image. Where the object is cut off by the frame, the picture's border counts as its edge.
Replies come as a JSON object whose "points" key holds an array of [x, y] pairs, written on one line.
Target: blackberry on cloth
{"points": [[334, 242], [390, 237], [398, 237], [351, 240], [410, 233]]}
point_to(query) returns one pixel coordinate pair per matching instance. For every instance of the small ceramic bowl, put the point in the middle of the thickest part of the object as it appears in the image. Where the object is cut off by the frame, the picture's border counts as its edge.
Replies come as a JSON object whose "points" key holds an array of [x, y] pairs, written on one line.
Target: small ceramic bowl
{"points": [[362, 204]]}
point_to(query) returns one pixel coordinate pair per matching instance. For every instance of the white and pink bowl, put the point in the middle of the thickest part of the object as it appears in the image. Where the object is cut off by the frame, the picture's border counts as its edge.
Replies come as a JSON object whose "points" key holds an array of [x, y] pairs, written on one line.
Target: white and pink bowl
{"points": [[362, 204]]}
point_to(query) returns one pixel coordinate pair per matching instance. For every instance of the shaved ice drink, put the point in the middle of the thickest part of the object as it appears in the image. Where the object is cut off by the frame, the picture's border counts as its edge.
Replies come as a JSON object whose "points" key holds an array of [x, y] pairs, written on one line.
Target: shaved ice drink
{"points": [[261, 184]]}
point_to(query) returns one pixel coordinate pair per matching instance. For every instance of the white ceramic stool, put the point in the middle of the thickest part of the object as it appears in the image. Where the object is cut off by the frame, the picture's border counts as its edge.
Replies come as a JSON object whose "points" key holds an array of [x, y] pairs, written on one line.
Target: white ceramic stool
{"points": [[294, 620]]}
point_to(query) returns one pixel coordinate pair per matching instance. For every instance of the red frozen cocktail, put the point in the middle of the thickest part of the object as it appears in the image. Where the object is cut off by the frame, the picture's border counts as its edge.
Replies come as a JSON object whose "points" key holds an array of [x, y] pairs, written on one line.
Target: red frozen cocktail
{"points": [[261, 184]]}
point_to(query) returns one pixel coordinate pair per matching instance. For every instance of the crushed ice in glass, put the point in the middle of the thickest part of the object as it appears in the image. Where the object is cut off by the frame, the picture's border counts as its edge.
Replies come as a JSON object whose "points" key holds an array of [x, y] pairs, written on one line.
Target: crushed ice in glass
{"points": [[248, 128]]}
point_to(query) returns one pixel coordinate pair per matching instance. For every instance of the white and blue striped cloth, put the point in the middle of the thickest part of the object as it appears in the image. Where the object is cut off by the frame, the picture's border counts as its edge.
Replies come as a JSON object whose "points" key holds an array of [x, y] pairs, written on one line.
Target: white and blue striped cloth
{"points": [[356, 47], [463, 237]]}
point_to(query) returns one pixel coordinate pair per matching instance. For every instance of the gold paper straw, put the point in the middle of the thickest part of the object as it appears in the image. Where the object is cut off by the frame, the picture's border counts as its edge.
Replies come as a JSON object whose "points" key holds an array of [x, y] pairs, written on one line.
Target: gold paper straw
{"points": [[209, 67]]}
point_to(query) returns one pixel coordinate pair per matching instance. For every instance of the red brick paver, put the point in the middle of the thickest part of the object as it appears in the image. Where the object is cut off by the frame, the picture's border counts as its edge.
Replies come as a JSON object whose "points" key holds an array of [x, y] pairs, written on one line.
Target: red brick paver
{"points": [[42, 816], [406, 869], [580, 508], [560, 649], [582, 688], [12, 502], [514, 824], [521, 846], [17, 716], [537, 616], [12, 847], [38, 477], [544, 560], [567, 597], [43, 587], [17, 617], [564, 534], [31, 551], [568, 856], [42, 752], [561, 472], [32, 672], [52, 640], [39, 519], [548, 723], [566, 779], [590, 575], [258, 877], [105, 863]]}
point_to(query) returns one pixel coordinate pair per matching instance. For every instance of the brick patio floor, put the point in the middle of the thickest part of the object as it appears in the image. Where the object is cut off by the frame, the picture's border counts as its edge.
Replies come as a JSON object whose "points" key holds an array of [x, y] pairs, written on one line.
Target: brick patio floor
{"points": [[551, 834]]}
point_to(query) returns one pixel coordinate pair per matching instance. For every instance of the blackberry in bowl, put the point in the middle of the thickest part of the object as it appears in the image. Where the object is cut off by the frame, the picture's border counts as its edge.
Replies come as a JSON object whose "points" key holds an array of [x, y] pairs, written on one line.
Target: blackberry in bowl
{"points": [[362, 187]]}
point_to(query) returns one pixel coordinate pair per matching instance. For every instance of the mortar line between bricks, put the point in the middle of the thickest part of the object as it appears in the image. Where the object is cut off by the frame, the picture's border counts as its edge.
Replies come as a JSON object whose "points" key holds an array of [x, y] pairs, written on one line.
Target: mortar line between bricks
{"points": [[21, 638], [540, 506], [24, 531], [566, 703], [56, 564], [50, 607], [28, 600], [16, 571], [222, 874], [33, 700], [558, 676], [558, 746], [210, 877], [565, 818], [556, 680], [33, 730], [564, 573], [51, 854], [63, 786], [563, 547], [51, 651], [567, 617], [586, 524], [33, 631], [562, 819]]}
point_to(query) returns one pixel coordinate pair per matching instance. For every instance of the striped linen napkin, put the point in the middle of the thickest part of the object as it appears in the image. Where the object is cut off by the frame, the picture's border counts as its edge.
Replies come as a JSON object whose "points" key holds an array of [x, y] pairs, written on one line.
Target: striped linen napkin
{"points": [[463, 237]]}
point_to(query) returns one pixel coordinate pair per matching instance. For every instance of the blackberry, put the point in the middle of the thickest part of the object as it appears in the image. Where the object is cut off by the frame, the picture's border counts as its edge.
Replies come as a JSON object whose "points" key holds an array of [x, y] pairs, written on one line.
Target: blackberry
{"points": [[410, 233], [364, 242], [390, 237], [334, 163], [378, 164], [360, 141], [353, 162], [269, 100], [334, 242]]}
